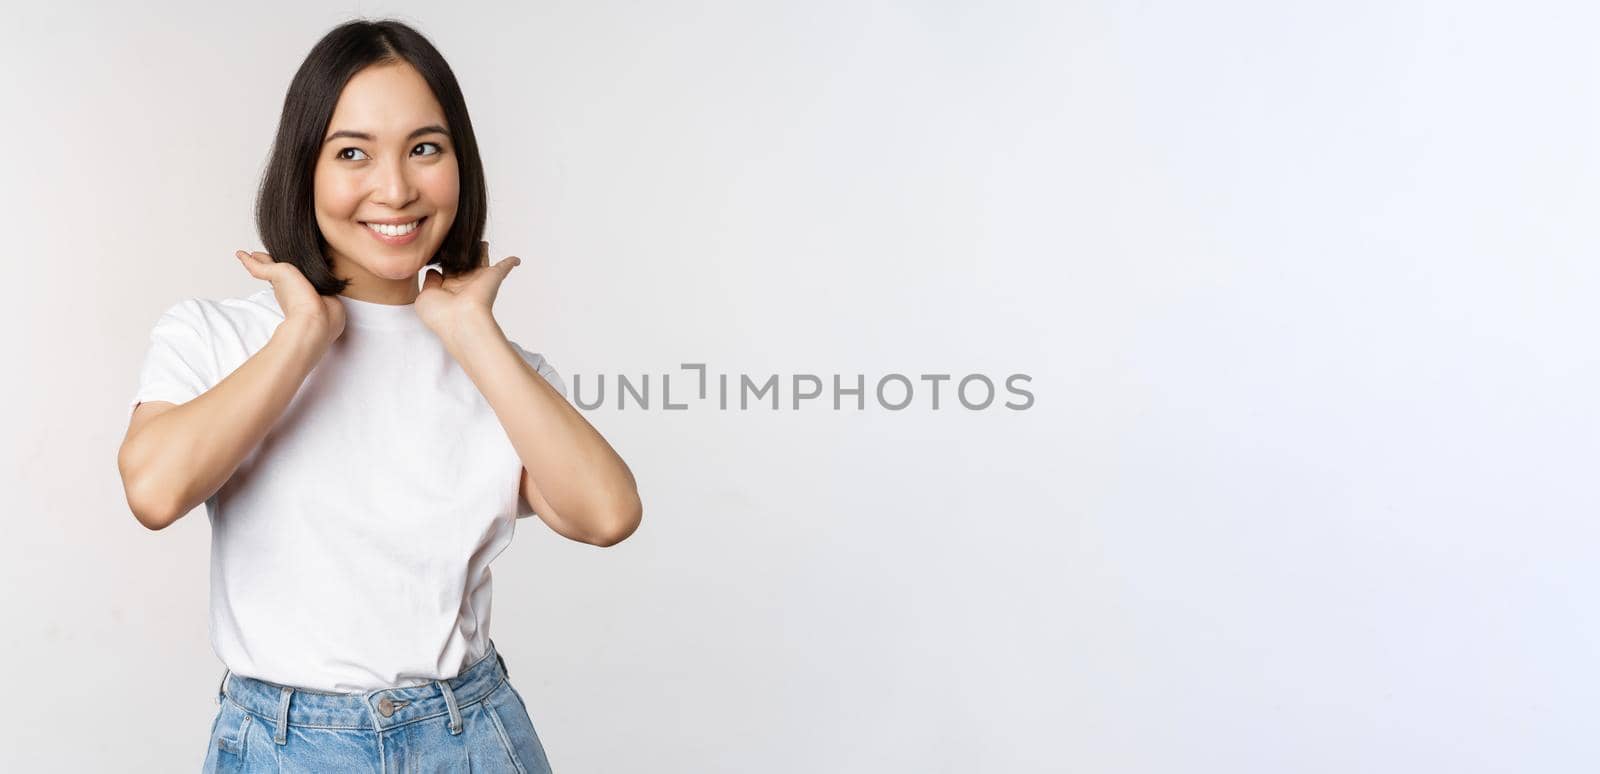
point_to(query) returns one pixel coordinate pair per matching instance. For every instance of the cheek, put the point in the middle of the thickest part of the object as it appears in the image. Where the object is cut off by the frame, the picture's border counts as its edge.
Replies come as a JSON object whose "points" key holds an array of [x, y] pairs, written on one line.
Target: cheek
{"points": [[442, 185], [338, 206], [336, 199]]}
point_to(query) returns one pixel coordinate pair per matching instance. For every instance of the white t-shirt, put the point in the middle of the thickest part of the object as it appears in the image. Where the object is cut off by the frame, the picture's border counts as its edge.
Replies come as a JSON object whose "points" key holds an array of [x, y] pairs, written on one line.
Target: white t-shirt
{"points": [[350, 550]]}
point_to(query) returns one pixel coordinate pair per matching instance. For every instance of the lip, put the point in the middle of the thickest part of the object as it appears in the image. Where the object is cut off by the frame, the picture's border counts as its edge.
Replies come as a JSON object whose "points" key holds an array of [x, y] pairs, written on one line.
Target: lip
{"points": [[399, 240], [391, 221]]}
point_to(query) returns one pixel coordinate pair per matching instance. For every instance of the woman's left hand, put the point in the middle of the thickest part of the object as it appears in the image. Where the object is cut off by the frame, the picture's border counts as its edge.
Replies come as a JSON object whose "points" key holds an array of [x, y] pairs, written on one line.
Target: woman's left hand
{"points": [[448, 304]]}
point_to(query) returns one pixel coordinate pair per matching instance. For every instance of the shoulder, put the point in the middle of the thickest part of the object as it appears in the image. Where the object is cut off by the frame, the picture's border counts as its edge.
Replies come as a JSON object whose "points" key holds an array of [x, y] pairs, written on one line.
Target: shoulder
{"points": [[261, 304], [235, 315], [255, 306]]}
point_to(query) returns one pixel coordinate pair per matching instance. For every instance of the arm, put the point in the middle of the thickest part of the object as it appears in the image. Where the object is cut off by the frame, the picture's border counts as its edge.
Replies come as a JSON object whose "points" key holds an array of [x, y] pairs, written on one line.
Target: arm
{"points": [[571, 476], [174, 457]]}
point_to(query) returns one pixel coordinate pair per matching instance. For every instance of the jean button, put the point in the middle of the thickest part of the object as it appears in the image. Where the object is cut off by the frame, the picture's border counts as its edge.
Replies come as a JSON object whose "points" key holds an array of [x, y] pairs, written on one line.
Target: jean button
{"points": [[386, 706]]}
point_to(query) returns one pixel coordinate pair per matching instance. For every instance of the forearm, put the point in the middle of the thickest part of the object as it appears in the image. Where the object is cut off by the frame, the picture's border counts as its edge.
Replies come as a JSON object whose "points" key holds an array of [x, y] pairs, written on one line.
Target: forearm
{"points": [[179, 458], [579, 475]]}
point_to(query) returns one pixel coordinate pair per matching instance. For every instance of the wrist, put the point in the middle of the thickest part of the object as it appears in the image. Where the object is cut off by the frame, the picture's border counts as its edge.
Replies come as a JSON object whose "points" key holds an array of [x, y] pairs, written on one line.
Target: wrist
{"points": [[472, 330], [303, 330]]}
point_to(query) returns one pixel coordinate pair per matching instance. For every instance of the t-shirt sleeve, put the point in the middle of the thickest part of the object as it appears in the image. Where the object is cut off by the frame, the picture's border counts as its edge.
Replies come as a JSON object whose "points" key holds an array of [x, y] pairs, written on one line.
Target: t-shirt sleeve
{"points": [[544, 368], [548, 371], [178, 363]]}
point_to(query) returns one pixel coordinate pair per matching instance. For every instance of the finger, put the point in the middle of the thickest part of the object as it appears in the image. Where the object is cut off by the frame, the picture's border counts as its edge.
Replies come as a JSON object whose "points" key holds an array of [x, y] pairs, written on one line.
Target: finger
{"points": [[265, 268], [507, 264], [249, 262], [483, 253], [432, 279]]}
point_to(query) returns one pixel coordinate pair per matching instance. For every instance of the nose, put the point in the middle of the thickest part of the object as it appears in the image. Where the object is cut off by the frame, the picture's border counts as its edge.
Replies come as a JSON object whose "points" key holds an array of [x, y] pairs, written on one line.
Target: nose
{"points": [[392, 186]]}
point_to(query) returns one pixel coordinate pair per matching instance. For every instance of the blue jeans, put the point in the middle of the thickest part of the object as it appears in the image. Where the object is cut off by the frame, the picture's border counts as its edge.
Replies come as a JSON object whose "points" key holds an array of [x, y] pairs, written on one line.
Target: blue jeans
{"points": [[474, 722]]}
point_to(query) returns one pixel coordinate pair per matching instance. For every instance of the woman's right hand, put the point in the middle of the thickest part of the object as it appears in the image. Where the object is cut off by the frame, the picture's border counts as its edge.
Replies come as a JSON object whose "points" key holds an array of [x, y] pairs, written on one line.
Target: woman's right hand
{"points": [[296, 296]]}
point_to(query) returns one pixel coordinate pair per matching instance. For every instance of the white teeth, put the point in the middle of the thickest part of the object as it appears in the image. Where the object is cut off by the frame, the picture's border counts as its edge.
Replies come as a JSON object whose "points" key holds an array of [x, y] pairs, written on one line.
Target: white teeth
{"points": [[388, 230]]}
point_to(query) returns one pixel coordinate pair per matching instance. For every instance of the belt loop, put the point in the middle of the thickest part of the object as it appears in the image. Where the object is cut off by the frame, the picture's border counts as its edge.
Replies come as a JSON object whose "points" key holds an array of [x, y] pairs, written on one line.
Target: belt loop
{"points": [[450, 703], [502, 661], [281, 736], [222, 688]]}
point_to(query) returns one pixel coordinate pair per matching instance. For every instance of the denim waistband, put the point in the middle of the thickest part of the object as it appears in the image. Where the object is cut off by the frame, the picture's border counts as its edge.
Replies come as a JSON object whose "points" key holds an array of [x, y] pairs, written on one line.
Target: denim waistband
{"points": [[285, 706]]}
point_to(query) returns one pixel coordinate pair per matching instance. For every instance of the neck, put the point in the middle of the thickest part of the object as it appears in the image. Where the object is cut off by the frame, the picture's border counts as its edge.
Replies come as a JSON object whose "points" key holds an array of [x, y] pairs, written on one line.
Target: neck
{"points": [[388, 294], [368, 287]]}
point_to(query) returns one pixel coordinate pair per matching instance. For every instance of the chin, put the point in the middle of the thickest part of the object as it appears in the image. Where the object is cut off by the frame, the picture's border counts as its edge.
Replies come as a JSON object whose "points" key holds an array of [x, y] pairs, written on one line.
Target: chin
{"points": [[395, 271], [392, 267]]}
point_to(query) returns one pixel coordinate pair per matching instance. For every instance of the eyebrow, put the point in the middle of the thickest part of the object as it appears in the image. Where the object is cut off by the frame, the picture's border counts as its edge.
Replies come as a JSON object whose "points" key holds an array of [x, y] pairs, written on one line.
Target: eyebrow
{"points": [[415, 133]]}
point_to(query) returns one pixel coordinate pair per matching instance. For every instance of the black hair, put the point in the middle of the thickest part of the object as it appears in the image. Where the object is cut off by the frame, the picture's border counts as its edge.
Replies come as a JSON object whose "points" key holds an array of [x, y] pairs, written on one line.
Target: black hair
{"points": [[285, 211]]}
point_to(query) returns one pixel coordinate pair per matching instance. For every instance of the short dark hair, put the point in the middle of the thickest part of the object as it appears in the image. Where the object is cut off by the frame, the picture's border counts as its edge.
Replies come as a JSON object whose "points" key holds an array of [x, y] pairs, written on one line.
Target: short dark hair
{"points": [[285, 211]]}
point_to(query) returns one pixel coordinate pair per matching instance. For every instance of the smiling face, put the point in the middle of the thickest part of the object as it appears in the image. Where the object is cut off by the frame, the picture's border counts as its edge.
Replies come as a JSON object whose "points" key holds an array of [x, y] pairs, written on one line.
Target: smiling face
{"points": [[387, 158]]}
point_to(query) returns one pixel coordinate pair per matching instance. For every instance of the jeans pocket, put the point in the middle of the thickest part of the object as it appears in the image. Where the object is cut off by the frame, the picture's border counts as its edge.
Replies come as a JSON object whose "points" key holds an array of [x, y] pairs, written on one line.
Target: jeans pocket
{"points": [[511, 721], [230, 731], [518, 695]]}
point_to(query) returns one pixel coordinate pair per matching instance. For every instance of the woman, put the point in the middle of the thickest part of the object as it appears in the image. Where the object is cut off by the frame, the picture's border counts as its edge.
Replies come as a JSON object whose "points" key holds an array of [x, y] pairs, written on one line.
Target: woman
{"points": [[364, 447]]}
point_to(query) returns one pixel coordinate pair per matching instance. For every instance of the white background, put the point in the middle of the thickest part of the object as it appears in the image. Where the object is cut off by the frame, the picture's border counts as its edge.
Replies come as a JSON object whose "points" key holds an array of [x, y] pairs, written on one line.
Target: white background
{"points": [[1306, 292]]}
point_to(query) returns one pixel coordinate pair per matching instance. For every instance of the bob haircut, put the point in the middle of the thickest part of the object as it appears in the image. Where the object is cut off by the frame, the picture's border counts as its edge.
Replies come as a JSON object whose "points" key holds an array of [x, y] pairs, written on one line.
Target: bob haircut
{"points": [[285, 209]]}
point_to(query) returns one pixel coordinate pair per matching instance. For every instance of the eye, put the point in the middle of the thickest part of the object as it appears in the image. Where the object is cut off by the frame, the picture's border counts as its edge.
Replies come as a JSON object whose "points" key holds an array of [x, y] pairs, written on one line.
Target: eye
{"points": [[438, 149]]}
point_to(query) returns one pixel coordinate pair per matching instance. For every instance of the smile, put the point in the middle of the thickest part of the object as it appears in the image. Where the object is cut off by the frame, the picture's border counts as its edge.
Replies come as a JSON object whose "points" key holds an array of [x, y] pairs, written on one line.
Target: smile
{"points": [[395, 235]]}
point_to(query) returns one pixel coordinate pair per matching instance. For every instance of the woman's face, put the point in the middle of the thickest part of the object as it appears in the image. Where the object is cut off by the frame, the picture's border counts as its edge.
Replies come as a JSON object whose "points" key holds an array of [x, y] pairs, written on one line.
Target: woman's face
{"points": [[387, 157]]}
